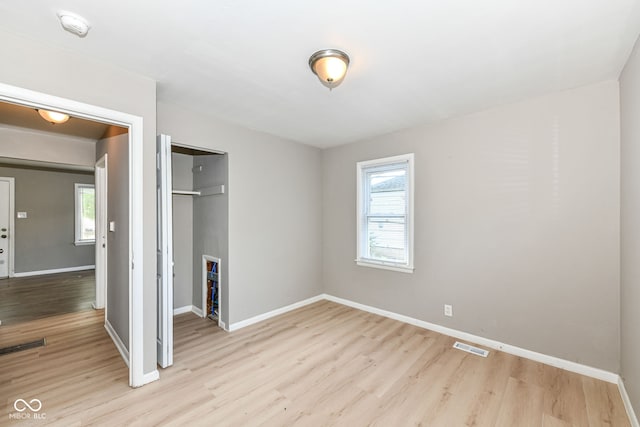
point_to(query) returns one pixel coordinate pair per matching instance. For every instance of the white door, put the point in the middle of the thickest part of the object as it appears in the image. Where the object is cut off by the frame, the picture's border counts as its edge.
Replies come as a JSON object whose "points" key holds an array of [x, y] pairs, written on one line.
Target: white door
{"points": [[165, 251], [101, 232], [5, 218]]}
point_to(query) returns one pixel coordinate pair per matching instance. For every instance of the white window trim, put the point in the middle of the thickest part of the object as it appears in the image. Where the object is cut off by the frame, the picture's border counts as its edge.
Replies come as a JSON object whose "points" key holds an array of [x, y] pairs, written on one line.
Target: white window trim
{"points": [[365, 262], [76, 211]]}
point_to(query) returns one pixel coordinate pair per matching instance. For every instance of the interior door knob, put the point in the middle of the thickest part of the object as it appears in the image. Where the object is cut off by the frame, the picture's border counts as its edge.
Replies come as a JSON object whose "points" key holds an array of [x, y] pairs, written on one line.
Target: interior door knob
{"points": [[4, 236]]}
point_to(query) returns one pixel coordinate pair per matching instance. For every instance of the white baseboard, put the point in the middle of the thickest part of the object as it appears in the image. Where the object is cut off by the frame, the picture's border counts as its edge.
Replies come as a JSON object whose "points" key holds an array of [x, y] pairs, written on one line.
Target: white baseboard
{"points": [[150, 377], [273, 313], [54, 271], [633, 419], [117, 341], [182, 310], [198, 312], [557, 362], [497, 345], [507, 348], [188, 309]]}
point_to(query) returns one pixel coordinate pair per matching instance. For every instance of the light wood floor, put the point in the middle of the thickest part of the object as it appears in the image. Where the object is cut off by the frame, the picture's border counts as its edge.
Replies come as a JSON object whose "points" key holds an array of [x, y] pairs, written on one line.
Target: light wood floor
{"points": [[324, 364], [23, 299]]}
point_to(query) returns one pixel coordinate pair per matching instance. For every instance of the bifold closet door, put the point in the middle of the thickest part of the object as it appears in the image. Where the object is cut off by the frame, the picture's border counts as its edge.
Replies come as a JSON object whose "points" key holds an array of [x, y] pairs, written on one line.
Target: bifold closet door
{"points": [[165, 251]]}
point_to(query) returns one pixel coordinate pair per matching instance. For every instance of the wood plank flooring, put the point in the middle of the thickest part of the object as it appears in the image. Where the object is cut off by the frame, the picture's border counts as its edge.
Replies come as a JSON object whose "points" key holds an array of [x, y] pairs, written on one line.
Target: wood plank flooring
{"points": [[23, 299], [324, 364]]}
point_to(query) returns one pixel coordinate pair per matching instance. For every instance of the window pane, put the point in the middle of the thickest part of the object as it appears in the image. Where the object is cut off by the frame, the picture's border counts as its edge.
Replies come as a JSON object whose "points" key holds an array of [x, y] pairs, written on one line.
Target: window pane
{"points": [[385, 213], [386, 239], [88, 214], [387, 192]]}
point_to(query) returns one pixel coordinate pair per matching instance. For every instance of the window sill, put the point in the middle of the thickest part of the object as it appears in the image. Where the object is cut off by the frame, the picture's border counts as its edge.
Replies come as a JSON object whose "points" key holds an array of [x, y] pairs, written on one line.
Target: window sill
{"points": [[384, 266], [85, 243]]}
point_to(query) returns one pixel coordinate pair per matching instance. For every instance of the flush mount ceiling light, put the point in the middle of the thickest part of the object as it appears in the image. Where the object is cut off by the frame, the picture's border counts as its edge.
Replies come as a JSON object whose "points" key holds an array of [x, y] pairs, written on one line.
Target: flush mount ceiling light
{"points": [[53, 117], [73, 23], [330, 65]]}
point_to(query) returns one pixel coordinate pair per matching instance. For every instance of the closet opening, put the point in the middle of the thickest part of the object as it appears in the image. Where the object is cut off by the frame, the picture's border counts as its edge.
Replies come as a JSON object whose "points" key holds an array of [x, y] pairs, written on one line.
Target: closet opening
{"points": [[200, 225], [192, 239]]}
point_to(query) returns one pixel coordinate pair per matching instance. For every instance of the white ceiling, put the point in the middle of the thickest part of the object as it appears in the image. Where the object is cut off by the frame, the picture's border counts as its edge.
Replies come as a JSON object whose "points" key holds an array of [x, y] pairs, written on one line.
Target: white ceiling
{"points": [[412, 62]]}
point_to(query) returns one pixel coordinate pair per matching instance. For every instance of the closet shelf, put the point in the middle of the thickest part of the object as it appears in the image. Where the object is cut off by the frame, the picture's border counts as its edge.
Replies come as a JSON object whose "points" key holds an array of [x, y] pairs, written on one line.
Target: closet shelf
{"points": [[212, 191], [208, 191]]}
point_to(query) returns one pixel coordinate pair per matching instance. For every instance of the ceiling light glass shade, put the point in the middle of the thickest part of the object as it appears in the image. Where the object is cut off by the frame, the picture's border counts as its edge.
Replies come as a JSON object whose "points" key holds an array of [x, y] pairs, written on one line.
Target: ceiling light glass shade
{"points": [[330, 65], [53, 116]]}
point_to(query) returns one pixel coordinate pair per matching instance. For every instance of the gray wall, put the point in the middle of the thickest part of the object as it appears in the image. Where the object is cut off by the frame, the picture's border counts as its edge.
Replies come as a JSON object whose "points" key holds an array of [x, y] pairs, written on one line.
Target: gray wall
{"points": [[274, 211], [182, 231], [117, 149], [45, 239], [516, 225], [630, 226], [83, 79], [211, 226]]}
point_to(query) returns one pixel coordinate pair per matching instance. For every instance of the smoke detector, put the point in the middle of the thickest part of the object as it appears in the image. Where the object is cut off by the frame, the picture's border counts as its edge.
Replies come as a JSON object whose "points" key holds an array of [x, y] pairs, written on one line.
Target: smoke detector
{"points": [[75, 24]]}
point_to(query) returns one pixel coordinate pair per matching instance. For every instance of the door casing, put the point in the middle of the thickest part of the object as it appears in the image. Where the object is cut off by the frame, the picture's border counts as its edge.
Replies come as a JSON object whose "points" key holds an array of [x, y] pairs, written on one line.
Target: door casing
{"points": [[33, 99]]}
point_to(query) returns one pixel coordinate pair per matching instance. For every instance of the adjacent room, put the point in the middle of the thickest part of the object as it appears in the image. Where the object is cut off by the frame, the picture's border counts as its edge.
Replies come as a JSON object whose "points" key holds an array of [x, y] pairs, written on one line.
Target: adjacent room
{"points": [[405, 213], [48, 215]]}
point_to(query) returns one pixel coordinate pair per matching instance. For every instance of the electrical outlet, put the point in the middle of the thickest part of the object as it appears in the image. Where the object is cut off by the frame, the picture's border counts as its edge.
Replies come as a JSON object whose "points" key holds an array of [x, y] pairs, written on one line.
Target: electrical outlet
{"points": [[448, 310]]}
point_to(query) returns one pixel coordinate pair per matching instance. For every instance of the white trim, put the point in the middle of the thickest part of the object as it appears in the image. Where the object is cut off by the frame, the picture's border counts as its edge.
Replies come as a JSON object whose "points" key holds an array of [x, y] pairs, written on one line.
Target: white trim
{"points": [[151, 377], [496, 345], [117, 341], [510, 349], [633, 419], [182, 310], [360, 236], [136, 275], [12, 223], [273, 313], [507, 348], [54, 271], [26, 97], [188, 309], [383, 266]]}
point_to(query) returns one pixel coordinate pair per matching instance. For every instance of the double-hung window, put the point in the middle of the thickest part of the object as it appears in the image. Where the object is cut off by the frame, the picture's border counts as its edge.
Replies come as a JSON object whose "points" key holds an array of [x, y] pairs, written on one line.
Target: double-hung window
{"points": [[85, 210], [385, 213]]}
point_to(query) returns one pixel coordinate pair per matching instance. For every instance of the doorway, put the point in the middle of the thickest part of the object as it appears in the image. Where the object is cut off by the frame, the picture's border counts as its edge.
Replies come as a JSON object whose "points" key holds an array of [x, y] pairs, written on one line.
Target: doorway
{"points": [[134, 353], [7, 191]]}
